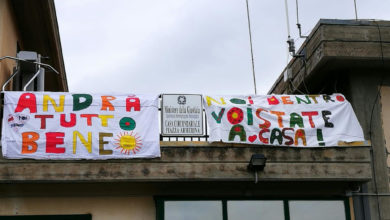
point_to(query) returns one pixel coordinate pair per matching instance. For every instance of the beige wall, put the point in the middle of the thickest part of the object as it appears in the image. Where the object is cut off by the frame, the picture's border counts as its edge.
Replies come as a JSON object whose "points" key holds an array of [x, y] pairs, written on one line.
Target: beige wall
{"points": [[101, 208], [8, 39], [385, 101]]}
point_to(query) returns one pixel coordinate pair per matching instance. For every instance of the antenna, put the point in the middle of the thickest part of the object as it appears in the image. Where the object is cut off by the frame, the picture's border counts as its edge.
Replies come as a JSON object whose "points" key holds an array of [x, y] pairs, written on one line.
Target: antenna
{"points": [[299, 24], [287, 18], [356, 16], [290, 41], [250, 42]]}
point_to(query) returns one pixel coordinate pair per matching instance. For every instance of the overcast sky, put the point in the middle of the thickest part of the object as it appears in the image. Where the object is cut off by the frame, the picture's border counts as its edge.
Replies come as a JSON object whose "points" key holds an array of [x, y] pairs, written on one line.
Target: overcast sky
{"points": [[186, 46]]}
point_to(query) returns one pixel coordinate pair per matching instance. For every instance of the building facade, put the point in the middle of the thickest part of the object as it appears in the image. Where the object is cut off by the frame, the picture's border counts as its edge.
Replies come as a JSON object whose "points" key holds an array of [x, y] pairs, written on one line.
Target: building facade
{"points": [[203, 180], [352, 58], [31, 26]]}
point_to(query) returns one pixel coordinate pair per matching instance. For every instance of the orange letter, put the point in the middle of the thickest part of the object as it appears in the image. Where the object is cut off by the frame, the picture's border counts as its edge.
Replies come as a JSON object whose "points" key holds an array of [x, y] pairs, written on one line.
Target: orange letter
{"points": [[106, 104], [29, 139], [286, 100], [279, 115], [300, 134]]}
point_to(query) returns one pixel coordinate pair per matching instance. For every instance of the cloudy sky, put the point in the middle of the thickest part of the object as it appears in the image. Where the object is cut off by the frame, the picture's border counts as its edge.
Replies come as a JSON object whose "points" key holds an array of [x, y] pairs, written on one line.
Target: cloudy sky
{"points": [[187, 46]]}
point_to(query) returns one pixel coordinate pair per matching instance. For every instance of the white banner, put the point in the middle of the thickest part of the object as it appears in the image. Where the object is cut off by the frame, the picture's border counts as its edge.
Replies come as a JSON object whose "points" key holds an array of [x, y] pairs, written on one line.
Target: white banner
{"points": [[285, 120], [54, 125]]}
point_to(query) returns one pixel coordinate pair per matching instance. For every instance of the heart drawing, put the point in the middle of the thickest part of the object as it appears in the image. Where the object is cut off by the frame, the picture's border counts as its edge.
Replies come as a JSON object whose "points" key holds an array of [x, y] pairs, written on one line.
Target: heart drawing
{"points": [[252, 138]]}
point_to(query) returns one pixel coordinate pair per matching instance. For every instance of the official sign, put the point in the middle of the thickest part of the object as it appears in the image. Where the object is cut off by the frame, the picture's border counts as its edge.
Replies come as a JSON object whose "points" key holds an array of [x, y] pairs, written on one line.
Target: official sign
{"points": [[51, 125], [182, 115], [285, 120]]}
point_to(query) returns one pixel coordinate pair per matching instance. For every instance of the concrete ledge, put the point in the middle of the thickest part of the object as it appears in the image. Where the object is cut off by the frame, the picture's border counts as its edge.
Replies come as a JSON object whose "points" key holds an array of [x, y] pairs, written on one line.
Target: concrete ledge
{"points": [[202, 163], [102, 172]]}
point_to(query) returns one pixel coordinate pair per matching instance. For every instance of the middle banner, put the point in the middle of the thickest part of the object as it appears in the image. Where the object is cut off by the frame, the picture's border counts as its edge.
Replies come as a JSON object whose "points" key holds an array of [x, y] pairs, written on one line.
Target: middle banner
{"points": [[53, 125]]}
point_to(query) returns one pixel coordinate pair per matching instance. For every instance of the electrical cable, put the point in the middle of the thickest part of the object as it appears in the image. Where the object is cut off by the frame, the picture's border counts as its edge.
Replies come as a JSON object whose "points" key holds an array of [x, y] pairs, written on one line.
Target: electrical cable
{"points": [[250, 42], [295, 88], [375, 183], [303, 80], [381, 81], [371, 117]]}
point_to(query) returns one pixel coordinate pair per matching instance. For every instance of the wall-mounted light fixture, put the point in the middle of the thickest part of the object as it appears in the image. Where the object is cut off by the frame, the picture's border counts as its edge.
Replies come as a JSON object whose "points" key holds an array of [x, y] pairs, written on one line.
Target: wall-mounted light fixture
{"points": [[257, 163]]}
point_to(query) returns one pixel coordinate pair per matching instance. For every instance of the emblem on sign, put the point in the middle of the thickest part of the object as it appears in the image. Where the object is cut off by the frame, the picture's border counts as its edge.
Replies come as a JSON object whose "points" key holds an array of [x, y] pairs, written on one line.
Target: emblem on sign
{"points": [[181, 100]]}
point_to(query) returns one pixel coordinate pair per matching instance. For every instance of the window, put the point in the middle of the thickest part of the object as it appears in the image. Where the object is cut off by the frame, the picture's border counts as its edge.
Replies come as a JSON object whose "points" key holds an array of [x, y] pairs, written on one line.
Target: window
{"points": [[193, 210], [319, 210], [255, 210], [47, 217], [234, 209]]}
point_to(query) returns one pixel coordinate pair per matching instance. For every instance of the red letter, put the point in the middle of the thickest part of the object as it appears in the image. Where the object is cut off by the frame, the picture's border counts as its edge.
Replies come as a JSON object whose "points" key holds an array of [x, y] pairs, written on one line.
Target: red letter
{"points": [[266, 123], [28, 139], [53, 139], [89, 118], [273, 100], [70, 123], [133, 102], [27, 100], [43, 119], [310, 115], [290, 139], [263, 139]]}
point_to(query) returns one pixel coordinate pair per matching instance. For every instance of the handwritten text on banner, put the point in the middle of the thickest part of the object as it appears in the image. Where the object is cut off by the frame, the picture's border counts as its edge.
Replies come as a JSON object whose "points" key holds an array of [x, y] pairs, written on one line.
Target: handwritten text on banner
{"points": [[52, 125], [288, 120]]}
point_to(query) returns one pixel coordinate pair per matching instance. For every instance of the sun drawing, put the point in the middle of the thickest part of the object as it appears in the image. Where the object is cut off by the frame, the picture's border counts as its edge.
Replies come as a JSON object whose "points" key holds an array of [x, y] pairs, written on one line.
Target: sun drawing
{"points": [[128, 142]]}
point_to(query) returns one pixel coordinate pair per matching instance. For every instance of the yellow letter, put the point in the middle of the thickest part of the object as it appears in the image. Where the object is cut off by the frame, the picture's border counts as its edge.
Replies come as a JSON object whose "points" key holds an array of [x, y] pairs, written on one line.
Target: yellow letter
{"points": [[104, 118], [209, 99], [87, 145], [57, 108]]}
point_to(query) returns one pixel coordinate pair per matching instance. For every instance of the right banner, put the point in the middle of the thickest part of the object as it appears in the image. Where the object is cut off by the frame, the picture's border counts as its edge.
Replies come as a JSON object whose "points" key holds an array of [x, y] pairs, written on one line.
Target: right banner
{"points": [[282, 120]]}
